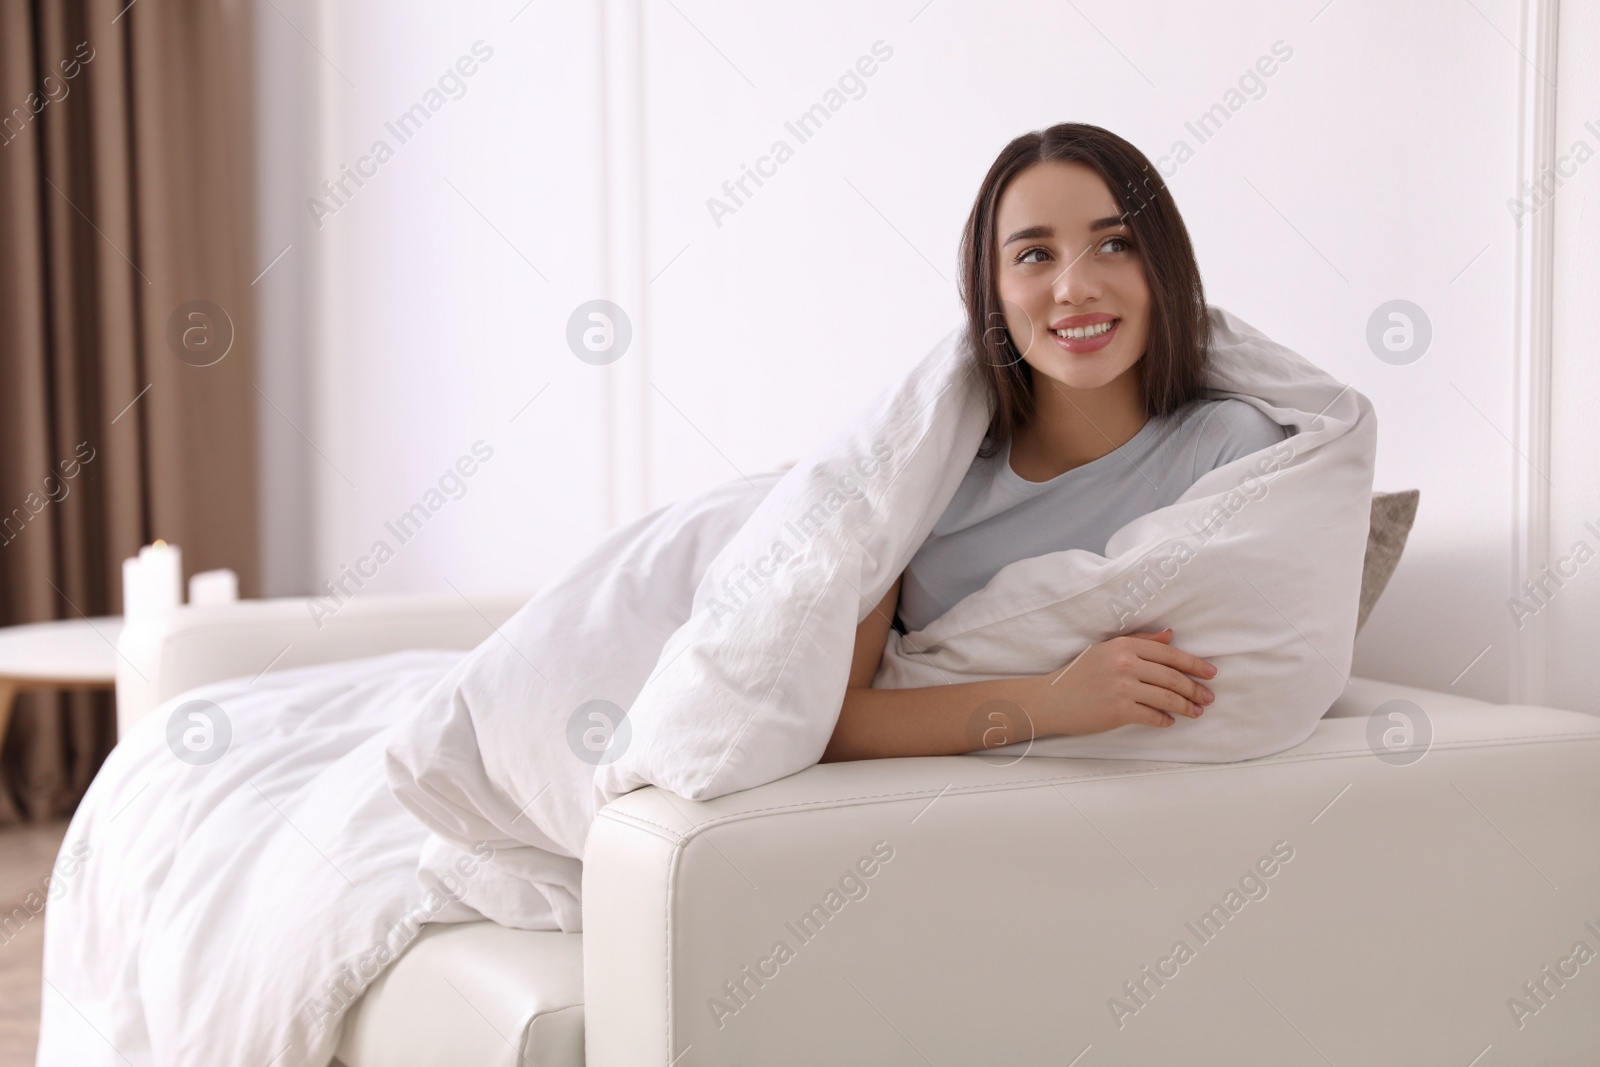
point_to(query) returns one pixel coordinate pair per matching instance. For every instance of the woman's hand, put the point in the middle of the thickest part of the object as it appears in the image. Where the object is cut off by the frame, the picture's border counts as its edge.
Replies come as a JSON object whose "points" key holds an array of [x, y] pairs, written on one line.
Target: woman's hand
{"points": [[1137, 678]]}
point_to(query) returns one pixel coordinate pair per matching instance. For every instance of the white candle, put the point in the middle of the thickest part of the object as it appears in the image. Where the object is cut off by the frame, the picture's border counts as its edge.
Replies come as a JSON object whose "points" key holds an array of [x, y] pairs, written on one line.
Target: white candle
{"points": [[134, 600], [163, 574], [213, 587]]}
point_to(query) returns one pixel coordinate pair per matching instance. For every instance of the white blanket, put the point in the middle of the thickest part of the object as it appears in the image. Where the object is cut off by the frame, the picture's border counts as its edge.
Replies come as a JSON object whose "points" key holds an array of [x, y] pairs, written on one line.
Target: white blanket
{"points": [[230, 913], [725, 623]]}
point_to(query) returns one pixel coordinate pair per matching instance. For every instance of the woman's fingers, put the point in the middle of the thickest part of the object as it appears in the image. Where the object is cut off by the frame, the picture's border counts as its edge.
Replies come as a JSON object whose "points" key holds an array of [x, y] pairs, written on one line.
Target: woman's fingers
{"points": [[1160, 674], [1161, 652], [1152, 716], [1164, 699], [1175, 680]]}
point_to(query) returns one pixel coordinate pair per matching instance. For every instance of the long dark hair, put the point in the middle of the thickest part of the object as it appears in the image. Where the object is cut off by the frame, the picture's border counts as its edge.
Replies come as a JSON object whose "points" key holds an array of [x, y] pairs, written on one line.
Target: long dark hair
{"points": [[1173, 365]]}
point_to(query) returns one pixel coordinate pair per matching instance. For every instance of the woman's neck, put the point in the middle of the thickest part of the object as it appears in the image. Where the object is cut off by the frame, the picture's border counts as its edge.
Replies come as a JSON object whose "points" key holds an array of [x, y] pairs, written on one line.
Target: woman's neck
{"points": [[1070, 427]]}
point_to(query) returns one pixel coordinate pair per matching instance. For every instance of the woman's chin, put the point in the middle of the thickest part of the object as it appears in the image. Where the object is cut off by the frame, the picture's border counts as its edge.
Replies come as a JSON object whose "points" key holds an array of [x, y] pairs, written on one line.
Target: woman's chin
{"points": [[1092, 370]]}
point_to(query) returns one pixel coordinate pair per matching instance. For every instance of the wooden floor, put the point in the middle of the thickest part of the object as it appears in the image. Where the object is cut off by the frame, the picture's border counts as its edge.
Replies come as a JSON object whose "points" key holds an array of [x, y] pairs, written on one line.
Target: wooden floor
{"points": [[26, 856]]}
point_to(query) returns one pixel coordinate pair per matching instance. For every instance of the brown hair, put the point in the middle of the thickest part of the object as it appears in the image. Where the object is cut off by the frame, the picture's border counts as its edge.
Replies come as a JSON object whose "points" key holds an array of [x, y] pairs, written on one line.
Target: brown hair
{"points": [[1173, 363]]}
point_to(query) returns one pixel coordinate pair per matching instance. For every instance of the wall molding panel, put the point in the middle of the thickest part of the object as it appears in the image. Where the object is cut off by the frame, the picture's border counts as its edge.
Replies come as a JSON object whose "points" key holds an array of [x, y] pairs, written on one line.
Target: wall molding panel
{"points": [[1535, 310]]}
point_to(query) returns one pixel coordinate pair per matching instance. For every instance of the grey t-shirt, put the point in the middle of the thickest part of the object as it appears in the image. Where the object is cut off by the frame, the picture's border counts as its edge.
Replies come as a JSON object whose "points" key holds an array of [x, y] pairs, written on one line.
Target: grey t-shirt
{"points": [[997, 517]]}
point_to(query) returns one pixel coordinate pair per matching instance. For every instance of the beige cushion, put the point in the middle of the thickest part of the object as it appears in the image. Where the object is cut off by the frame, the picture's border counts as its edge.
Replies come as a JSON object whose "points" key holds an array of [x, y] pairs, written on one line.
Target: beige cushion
{"points": [[1392, 516], [475, 993]]}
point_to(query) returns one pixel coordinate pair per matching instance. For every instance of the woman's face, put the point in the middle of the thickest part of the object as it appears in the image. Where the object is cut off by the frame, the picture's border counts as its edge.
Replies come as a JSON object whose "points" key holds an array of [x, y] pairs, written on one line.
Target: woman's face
{"points": [[1066, 261]]}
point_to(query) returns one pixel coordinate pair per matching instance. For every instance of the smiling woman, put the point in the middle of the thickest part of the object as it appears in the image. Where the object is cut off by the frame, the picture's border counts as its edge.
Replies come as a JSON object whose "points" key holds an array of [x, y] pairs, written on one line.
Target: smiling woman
{"points": [[1088, 325], [1088, 233]]}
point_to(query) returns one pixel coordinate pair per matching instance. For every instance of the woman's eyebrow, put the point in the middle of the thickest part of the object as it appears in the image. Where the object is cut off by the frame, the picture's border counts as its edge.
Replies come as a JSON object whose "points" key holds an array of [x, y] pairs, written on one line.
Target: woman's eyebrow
{"points": [[1030, 232]]}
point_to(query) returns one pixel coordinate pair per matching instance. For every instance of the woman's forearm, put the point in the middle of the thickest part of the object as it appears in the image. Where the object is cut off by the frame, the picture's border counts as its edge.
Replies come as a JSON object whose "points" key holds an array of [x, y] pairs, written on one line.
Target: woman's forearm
{"points": [[940, 720]]}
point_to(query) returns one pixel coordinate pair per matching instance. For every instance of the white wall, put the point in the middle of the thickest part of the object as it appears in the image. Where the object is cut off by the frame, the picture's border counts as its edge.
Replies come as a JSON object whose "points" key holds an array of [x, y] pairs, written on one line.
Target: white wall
{"points": [[441, 284], [1369, 169]]}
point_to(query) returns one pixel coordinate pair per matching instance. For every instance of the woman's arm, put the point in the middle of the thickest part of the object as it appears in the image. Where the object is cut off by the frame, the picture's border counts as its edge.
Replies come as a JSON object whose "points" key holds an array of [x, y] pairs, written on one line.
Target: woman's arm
{"points": [[880, 723], [1134, 679]]}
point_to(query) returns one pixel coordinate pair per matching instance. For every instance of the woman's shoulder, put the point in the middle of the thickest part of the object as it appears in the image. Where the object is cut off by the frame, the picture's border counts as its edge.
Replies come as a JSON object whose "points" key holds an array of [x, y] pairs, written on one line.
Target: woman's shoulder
{"points": [[1226, 428], [1230, 414]]}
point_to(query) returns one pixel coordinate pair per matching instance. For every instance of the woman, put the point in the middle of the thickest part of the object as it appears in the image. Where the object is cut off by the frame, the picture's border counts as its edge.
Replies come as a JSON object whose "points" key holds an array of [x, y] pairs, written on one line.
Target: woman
{"points": [[1088, 319]]}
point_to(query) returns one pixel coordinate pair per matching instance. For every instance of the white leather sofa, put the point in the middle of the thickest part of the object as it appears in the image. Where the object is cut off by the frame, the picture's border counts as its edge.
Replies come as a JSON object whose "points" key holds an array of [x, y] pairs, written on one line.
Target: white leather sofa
{"points": [[1017, 913]]}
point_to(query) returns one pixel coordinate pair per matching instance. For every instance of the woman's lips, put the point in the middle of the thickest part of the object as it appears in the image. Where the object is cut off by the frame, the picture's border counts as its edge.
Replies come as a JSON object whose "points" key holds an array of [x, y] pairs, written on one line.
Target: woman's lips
{"points": [[1087, 344]]}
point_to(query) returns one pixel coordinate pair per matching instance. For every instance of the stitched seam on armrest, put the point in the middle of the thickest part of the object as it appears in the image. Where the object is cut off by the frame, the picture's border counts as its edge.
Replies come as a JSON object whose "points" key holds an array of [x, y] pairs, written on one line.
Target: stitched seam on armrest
{"points": [[683, 837], [662, 831]]}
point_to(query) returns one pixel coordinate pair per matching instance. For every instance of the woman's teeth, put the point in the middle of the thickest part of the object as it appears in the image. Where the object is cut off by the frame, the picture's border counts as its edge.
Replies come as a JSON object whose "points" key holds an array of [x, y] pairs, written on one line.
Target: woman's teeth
{"points": [[1078, 333]]}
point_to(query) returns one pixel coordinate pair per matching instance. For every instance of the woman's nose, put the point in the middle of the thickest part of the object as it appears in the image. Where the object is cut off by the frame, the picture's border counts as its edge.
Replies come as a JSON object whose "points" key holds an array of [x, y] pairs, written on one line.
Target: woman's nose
{"points": [[1075, 284]]}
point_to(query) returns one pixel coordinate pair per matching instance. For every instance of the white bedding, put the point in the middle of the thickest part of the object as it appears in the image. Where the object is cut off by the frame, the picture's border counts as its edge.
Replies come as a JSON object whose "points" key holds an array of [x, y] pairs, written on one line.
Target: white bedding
{"points": [[1256, 566], [725, 623], [228, 912], [221, 906]]}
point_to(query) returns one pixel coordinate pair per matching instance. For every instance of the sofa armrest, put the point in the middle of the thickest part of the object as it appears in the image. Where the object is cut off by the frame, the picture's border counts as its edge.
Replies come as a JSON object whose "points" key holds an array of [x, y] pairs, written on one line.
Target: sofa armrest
{"points": [[163, 655], [956, 910]]}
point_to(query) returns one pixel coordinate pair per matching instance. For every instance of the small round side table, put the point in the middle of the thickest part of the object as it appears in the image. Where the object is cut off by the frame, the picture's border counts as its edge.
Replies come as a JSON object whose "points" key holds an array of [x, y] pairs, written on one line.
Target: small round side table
{"points": [[67, 654]]}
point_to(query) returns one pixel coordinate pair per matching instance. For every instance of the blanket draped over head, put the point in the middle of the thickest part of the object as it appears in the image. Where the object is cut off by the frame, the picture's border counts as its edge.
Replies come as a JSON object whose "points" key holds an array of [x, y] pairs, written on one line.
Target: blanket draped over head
{"points": [[233, 911]]}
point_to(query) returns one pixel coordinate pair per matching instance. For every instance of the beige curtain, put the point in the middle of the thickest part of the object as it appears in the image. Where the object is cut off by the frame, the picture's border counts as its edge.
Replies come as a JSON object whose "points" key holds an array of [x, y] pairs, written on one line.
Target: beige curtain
{"points": [[124, 197]]}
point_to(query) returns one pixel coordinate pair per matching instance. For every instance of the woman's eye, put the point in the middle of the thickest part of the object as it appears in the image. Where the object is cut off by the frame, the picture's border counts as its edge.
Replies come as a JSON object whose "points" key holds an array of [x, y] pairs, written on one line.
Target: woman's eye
{"points": [[1122, 245]]}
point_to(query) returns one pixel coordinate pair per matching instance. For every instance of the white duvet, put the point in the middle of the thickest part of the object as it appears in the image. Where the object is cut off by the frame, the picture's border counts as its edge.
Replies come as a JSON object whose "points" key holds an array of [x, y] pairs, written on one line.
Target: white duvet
{"points": [[225, 912], [229, 913]]}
